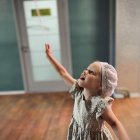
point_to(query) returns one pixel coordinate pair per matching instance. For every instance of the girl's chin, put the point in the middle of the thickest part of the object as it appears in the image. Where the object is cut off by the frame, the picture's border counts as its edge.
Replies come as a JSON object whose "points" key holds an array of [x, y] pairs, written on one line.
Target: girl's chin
{"points": [[80, 83]]}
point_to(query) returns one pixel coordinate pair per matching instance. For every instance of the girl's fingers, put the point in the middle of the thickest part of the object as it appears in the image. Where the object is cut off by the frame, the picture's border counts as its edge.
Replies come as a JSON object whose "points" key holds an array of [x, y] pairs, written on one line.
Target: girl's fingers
{"points": [[47, 46]]}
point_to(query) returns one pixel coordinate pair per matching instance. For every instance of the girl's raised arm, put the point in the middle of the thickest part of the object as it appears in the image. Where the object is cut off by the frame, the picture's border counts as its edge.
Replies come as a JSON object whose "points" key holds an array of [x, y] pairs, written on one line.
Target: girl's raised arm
{"points": [[68, 79]]}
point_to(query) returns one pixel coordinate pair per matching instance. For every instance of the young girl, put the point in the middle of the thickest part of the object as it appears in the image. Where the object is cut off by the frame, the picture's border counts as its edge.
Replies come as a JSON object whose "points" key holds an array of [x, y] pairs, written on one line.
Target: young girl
{"points": [[92, 106]]}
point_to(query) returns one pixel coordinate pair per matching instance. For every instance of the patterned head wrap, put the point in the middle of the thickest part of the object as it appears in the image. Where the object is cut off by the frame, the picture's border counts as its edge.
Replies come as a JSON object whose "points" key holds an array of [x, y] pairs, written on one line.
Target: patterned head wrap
{"points": [[109, 79]]}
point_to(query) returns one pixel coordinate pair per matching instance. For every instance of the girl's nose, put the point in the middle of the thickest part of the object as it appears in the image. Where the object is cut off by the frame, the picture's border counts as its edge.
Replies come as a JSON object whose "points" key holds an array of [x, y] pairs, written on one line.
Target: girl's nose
{"points": [[85, 72]]}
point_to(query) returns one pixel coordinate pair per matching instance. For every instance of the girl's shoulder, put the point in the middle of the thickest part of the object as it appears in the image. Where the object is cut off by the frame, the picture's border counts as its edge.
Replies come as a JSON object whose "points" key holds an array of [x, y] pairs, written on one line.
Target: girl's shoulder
{"points": [[103, 102], [107, 100], [102, 105]]}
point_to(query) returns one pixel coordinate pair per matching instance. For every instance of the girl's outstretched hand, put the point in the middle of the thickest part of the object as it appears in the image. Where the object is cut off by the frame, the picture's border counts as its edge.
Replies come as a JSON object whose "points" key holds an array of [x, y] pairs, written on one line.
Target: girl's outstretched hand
{"points": [[48, 49], [68, 79]]}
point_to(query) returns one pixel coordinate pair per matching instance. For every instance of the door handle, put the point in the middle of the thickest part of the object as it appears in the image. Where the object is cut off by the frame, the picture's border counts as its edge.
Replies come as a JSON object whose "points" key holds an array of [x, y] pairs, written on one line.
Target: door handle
{"points": [[24, 49]]}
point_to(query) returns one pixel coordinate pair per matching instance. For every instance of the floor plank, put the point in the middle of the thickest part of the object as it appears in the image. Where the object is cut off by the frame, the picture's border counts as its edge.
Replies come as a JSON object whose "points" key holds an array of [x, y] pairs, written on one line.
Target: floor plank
{"points": [[47, 116]]}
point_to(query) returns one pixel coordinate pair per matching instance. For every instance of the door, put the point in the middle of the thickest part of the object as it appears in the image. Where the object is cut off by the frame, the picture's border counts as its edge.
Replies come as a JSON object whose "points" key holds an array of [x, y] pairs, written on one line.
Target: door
{"points": [[41, 21]]}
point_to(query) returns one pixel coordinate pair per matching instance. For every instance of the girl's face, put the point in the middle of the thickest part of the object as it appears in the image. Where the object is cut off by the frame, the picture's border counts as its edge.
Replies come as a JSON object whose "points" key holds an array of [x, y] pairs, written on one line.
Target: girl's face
{"points": [[91, 77]]}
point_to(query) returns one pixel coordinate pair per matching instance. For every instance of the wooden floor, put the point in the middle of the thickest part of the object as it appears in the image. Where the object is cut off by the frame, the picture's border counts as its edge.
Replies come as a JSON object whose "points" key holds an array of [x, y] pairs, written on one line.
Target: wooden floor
{"points": [[47, 116]]}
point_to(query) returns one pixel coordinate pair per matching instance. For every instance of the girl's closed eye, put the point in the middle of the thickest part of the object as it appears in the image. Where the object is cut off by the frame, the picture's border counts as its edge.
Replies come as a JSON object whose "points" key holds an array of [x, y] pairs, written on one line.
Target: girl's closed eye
{"points": [[91, 72]]}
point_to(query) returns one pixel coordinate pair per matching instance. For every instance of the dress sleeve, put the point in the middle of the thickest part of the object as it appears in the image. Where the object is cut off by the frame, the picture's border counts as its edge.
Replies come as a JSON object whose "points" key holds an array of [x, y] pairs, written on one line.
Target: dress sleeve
{"points": [[75, 90], [101, 106]]}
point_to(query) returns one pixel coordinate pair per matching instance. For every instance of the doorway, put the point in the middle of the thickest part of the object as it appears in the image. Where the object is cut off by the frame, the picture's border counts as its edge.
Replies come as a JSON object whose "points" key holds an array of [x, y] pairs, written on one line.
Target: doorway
{"points": [[40, 21]]}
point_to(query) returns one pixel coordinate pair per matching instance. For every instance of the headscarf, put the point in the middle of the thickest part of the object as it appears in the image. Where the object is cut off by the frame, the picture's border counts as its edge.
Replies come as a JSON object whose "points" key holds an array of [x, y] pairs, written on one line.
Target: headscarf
{"points": [[109, 79]]}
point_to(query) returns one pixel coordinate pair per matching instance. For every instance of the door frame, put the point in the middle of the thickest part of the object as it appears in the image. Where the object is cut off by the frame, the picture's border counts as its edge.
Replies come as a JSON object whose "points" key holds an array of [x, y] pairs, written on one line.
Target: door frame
{"points": [[22, 40]]}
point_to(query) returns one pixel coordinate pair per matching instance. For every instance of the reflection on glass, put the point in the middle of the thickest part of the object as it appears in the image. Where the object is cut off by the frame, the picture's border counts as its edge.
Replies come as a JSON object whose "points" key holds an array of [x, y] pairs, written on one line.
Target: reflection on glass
{"points": [[42, 12]]}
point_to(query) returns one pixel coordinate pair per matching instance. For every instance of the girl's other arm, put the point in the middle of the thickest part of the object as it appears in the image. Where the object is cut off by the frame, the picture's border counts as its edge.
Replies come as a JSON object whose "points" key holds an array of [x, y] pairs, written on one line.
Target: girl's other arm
{"points": [[68, 79], [112, 120]]}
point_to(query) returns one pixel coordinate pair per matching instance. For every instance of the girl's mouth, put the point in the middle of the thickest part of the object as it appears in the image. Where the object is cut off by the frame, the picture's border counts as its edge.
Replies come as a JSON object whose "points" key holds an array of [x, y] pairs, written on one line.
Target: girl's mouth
{"points": [[82, 78]]}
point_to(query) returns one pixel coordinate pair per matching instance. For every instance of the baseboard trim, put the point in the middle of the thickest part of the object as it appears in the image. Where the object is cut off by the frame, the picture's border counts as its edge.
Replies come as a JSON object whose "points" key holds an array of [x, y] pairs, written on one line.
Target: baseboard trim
{"points": [[132, 95], [12, 92]]}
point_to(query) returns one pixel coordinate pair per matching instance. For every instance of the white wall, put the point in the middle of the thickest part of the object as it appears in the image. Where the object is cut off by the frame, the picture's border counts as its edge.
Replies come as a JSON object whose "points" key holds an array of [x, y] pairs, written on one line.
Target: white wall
{"points": [[128, 44]]}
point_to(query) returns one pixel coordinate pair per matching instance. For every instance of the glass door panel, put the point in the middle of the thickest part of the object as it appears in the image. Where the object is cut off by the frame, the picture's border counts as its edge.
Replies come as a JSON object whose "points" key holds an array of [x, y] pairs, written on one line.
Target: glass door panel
{"points": [[42, 25]]}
